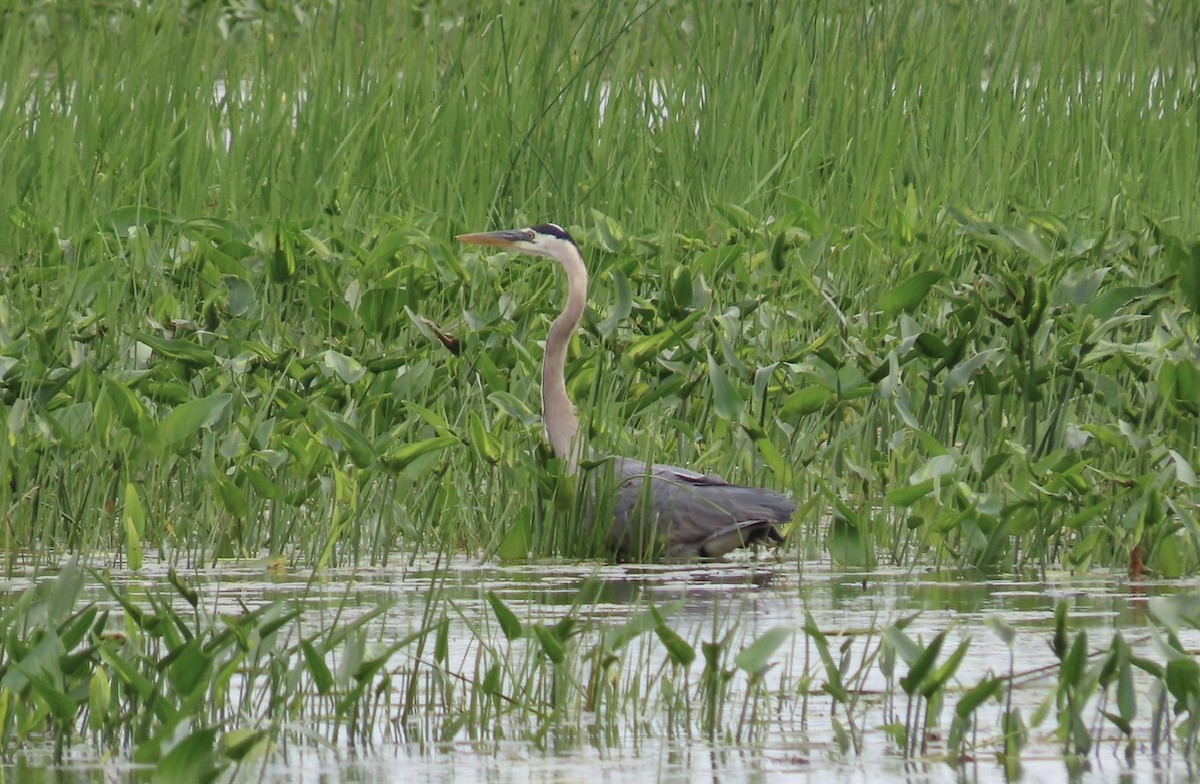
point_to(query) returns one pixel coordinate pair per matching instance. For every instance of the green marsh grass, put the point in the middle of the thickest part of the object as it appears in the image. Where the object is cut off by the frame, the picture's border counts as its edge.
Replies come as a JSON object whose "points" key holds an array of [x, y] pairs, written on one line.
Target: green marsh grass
{"points": [[831, 254]]}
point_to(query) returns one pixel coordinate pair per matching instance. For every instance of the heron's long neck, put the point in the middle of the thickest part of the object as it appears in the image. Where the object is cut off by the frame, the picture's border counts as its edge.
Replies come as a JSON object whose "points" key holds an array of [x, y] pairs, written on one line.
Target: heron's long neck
{"points": [[562, 424]]}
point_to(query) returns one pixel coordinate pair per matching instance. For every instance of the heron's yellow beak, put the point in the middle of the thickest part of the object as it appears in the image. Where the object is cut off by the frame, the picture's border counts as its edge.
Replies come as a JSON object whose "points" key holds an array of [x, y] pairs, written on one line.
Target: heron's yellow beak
{"points": [[496, 239]]}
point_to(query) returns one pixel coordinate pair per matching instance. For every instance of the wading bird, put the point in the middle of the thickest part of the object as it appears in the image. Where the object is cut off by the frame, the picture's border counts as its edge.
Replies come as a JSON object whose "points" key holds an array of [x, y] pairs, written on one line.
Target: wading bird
{"points": [[682, 513]]}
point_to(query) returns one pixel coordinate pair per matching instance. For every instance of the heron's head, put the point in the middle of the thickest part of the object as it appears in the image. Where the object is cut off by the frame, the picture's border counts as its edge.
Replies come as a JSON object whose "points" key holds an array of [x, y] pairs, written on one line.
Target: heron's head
{"points": [[545, 239]]}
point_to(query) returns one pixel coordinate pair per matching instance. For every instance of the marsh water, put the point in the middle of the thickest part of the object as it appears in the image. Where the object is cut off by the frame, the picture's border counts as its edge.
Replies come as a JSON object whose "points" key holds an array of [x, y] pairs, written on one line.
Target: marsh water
{"points": [[790, 733]]}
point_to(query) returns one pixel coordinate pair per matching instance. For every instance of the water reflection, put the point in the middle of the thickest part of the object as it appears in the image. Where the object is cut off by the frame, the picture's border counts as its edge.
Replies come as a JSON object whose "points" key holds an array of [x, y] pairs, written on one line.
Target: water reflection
{"points": [[737, 602]]}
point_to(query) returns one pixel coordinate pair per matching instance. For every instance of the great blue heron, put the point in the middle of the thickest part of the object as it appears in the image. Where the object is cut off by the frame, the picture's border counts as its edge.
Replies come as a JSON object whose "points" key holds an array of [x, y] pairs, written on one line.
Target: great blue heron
{"points": [[687, 514]]}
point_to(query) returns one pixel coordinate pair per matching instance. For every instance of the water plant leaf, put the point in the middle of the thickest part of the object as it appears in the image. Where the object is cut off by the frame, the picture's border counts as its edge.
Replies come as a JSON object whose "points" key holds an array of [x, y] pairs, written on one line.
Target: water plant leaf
{"points": [[1002, 628], [958, 377], [807, 400], [99, 699], [622, 306], [241, 743], [642, 350], [846, 544], [1074, 665], [833, 683], [485, 444], [909, 293], [1104, 306], [977, 695], [617, 638], [121, 220], [347, 368], [360, 449], [192, 761], [551, 645], [321, 675], [755, 658], [135, 527], [510, 405], [509, 623], [184, 421], [680, 652], [934, 682], [1178, 611], [188, 352], [910, 494], [1186, 261], [188, 668], [727, 402], [902, 644], [128, 407], [398, 459], [921, 668]]}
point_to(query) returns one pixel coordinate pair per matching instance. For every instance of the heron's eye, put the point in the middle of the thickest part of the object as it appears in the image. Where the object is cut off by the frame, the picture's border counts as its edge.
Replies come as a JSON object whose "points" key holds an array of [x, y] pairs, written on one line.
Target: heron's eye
{"points": [[529, 235]]}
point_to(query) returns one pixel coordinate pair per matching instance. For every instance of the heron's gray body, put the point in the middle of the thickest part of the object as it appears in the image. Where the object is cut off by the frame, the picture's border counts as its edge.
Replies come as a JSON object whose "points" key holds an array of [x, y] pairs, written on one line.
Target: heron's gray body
{"points": [[659, 509], [685, 514]]}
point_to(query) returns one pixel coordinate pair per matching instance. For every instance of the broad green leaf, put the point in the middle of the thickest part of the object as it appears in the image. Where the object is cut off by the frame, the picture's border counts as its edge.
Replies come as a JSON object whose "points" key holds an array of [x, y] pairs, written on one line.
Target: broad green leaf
{"points": [[977, 695], [648, 347], [128, 407], [360, 449], [921, 668], [908, 294], [509, 624], [135, 527], [726, 400], [398, 459], [1075, 664], [551, 645], [621, 307], [847, 545], [933, 683], [321, 675], [188, 352], [808, 400], [963, 371], [99, 699], [617, 638], [192, 761], [514, 408], [486, 445], [122, 219], [1187, 266], [1002, 628], [902, 644], [347, 368], [755, 657], [187, 419], [910, 494], [679, 651]]}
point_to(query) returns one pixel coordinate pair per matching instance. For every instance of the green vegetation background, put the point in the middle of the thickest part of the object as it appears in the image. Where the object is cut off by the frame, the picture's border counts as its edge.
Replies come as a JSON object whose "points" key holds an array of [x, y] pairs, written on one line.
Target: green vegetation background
{"points": [[931, 267]]}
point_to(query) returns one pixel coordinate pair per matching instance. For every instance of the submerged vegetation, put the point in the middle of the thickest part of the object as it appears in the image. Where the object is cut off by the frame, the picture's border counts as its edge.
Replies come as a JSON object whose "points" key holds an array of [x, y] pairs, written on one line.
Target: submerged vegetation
{"points": [[933, 269]]}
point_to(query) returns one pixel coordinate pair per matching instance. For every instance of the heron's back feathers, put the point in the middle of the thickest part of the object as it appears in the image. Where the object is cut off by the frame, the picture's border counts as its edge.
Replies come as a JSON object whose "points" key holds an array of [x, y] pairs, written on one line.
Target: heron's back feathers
{"points": [[686, 514]]}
